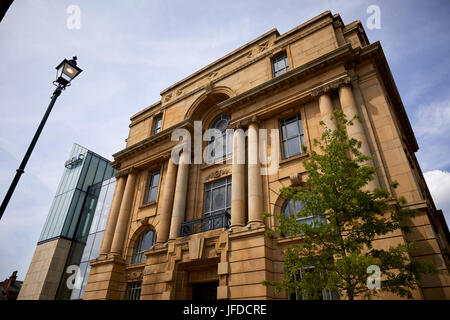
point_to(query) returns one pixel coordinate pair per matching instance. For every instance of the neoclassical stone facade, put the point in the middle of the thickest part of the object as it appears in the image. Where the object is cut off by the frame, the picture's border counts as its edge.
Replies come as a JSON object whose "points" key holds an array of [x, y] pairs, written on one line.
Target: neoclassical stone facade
{"points": [[208, 218]]}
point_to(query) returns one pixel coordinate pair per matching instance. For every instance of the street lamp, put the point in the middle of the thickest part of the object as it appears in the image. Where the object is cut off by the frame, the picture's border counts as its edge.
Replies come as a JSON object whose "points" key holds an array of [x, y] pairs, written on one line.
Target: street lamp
{"points": [[66, 71]]}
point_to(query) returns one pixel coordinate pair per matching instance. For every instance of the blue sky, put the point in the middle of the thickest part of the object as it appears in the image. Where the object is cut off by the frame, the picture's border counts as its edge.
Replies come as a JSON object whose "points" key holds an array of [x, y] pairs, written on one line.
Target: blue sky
{"points": [[132, 50]]}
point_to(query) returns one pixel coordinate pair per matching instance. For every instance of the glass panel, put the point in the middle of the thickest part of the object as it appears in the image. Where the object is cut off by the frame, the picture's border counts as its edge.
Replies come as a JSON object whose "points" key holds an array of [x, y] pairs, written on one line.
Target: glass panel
{"points": [[228, 196], [86, 277], [155, 180], [293, 146], [218, 199], [152, 195], [207, 202], [218, 183], [87, 249], [292, 129], [91, 173], [96, 245], [100, 171]]}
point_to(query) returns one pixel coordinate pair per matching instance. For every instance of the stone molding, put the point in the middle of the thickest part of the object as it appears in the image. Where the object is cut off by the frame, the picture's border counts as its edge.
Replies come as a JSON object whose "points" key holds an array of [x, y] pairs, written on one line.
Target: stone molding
{"points": [[218, 173], [331, 87]]}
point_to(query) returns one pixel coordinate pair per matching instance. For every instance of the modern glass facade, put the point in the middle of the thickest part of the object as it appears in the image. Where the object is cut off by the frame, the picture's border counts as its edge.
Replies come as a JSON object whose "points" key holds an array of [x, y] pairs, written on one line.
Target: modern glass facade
{"points": [[83, 169], [88, 239]]}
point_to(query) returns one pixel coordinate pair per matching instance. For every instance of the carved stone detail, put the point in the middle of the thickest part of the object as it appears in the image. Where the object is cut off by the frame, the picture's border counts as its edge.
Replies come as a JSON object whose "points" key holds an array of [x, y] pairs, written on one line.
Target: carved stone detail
{"points": [[329, 87], [263, 46], [168, 97], [218, 173], [134, 276], [212, 74]]}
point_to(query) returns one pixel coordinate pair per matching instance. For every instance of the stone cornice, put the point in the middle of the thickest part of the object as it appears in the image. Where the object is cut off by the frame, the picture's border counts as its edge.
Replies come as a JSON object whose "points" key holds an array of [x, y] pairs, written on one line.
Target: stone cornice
{"points": [[375, 53], [149, 142], [341, 54], [252, 55]]}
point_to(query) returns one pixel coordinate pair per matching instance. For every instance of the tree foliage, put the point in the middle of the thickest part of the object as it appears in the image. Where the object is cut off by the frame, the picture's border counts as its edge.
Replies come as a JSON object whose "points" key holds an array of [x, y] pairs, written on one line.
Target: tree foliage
{"points": [[339, 243]]}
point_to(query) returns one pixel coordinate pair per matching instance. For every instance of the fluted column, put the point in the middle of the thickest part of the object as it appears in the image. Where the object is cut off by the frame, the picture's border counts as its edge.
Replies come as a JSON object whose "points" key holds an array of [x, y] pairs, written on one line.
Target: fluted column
{"points": [[326, 111], [255, 195], [179, 201], [167, 203], [113, 215], [356, 131], [124, 214], [238, 179]]}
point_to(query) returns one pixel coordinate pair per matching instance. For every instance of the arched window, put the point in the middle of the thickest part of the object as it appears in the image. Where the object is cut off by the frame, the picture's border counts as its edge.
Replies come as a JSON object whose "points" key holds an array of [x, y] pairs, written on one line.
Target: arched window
{"points": [[291, 208], [223, 147], [143, 243]]}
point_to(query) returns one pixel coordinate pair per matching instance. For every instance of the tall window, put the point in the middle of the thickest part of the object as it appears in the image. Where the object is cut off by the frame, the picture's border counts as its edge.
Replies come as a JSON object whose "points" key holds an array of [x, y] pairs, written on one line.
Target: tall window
{"points": [[280, 64], [157, 120], [322, 294], [143, 243], [292, 137], [152, 186], [222, 147], [217, 197], [133, 290]]}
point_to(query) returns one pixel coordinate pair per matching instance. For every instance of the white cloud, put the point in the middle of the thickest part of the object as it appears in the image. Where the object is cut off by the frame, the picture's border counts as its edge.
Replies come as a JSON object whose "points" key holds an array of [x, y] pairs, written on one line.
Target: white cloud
{"points": [[430, 124], [439, 185]]}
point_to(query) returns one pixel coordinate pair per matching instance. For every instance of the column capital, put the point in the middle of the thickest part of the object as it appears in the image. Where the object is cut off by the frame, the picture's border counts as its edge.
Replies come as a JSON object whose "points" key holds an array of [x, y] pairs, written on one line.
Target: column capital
{"points": [[330, 87], [126, 172]]}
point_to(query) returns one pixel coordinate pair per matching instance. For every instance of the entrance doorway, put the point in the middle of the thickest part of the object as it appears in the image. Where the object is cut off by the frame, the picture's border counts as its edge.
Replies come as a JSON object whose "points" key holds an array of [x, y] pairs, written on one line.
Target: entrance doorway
{"points": [[205, 291]]}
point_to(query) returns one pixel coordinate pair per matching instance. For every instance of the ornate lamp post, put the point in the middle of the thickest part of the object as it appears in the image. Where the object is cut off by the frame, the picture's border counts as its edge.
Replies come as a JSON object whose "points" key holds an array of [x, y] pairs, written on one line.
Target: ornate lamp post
{"points": [[66, 71]]}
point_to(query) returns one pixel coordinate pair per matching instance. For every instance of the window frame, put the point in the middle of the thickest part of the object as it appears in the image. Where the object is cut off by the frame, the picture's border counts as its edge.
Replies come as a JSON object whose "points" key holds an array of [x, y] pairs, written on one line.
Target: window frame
{"points": [[282, 123], [312, 218], [138, 253], [150, 186], [274, 60], [209, 187], [157, 119], [133, 291], [227, 142]]}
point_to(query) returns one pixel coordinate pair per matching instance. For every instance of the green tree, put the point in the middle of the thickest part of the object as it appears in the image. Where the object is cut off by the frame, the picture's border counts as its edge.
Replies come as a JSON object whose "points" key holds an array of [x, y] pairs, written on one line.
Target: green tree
{"points": [[335, 248]]}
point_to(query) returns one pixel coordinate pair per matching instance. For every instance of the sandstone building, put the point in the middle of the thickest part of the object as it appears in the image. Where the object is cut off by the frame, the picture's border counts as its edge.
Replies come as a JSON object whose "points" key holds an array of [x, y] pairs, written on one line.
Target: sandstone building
{"points": [[195, 230]]}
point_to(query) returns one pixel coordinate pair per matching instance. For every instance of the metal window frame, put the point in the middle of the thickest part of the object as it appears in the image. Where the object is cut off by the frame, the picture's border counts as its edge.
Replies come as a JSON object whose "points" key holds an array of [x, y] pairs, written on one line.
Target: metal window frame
{"points": [[227, 149], [282, 56], [285, 154], [227, 208], [150, 185], [157, 119], [133, 290], [138, 251]]}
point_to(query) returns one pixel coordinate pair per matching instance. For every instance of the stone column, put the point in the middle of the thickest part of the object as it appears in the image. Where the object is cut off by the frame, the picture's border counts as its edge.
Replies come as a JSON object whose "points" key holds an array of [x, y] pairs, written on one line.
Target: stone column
{"points": [[255, 195], [238, 179], [179, 201], [356, 131], [113, 215], [326, 111], [162, 234], [124, 215]]}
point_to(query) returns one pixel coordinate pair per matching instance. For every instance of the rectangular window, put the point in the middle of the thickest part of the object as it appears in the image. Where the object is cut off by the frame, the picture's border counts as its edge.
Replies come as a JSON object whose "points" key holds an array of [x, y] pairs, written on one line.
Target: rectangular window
{"points": [[133, 290], [292, 137], [152, 186], [217, 197], [280, 64], [157, 120]]}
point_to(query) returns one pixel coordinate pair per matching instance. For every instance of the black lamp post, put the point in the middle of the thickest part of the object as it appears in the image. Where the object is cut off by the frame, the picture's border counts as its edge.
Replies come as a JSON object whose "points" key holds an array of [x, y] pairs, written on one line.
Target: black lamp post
{"points": [[66, 71]]}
